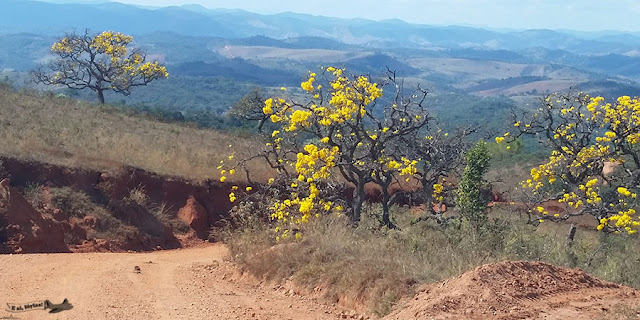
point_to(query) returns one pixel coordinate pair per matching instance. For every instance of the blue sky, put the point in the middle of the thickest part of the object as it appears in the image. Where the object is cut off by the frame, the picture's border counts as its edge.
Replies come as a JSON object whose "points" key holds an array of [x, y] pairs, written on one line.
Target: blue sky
{"points": [[589, 15]]}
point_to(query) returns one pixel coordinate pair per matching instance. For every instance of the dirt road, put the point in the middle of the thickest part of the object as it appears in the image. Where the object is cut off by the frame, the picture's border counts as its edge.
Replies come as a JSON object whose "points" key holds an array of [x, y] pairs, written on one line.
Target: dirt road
{"points": [[189, 283]]}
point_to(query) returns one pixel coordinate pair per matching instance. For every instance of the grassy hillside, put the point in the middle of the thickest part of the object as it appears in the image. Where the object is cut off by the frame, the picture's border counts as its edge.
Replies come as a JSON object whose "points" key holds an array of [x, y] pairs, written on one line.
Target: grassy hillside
{"points": [[80, 134]]}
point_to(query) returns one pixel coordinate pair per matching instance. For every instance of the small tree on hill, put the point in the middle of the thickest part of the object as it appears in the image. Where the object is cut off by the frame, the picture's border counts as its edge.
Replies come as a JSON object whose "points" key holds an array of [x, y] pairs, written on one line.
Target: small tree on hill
{"points": [[584, 135], [101, 63], [249, 108], [471, 199]]}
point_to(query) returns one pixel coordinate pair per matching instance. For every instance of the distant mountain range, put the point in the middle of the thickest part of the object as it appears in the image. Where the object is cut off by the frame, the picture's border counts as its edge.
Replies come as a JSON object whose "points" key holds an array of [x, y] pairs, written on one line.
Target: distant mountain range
{"points": [[236, 47], [51, 18]]}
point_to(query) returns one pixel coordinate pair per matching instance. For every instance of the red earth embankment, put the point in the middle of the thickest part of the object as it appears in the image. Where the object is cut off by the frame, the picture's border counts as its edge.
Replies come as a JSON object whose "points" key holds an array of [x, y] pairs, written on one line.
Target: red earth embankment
{"points": [[25, 228]]}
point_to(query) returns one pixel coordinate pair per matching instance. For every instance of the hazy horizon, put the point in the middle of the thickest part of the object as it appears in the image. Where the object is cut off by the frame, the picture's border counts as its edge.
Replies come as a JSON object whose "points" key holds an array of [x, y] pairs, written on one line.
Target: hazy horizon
{"points": [[578, 15]]}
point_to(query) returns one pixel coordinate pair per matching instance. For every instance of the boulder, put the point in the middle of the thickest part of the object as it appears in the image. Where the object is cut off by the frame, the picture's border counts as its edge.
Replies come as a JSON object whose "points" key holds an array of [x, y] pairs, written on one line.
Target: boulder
{"points": [[195, 215]]}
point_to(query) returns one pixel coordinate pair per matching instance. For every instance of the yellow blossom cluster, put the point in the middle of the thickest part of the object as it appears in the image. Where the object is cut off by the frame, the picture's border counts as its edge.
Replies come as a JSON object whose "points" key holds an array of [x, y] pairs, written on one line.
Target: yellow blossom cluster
{"points": [[315, 163], [312, 166], [65, 45], [347, 99], [114, 45], [111, 43], [409, 167], [404, 167], [308, 85], [437, 192], [150, 69]]}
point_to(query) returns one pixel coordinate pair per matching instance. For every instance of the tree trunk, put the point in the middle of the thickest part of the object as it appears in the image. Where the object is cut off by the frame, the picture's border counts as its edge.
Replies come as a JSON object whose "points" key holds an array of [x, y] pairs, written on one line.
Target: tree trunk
{"points": [[386, 219], [100, 94], [571, 255], [358, 199], [571, 235]]}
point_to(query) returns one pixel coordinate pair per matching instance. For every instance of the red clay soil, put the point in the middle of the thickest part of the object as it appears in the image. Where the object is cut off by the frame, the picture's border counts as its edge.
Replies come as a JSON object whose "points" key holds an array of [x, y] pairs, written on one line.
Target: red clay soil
{"points": [[211, 195], [25, 230], [195, 215], [28, 229], [517, 290]]}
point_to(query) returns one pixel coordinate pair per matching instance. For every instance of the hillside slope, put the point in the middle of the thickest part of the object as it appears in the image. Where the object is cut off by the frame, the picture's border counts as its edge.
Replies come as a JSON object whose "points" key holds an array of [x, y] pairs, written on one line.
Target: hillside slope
{"points": [[79, 134]]}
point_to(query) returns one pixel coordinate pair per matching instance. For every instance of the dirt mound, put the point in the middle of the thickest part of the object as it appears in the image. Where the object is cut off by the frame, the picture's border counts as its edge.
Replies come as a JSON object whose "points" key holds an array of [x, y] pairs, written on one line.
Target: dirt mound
{"points": [[195, 215], [517, 290]]}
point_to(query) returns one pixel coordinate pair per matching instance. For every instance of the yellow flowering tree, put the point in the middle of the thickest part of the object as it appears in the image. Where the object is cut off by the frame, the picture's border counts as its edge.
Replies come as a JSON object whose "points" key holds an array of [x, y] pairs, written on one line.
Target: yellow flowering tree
{"points": [[585, 134], [345, 132], [101, 63]]}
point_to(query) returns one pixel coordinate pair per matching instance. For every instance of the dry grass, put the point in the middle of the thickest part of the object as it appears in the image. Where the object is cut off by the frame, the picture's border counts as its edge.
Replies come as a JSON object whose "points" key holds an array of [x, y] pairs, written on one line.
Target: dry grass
{"points": [[79, 134], [355, 269], [373, 269]]}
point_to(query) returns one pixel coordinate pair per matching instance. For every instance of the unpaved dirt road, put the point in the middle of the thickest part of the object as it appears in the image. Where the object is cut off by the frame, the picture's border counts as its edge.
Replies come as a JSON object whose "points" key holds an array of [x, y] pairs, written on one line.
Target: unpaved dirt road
{"points": [[191, 283]]}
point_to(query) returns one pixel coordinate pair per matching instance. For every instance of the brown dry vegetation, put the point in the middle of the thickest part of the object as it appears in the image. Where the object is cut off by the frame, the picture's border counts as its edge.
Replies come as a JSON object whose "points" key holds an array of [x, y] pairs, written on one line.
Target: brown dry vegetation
{"points": [[371, 269], [80, 134]]}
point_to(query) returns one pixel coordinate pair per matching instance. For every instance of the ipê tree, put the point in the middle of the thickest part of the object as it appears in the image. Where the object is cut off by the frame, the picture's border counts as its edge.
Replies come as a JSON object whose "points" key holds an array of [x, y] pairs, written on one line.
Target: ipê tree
{"points": [[343, 133], [584, 134], [100, 62]]}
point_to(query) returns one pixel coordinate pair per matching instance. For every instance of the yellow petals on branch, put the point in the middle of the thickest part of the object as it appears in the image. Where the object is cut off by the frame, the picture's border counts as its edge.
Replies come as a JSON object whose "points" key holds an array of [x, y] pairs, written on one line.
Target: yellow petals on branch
{"points": [[624, 191], [268, 106], [591, 183], [308, 85]]}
